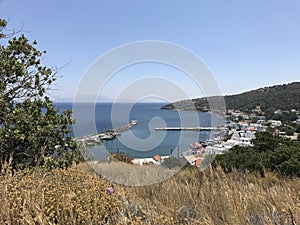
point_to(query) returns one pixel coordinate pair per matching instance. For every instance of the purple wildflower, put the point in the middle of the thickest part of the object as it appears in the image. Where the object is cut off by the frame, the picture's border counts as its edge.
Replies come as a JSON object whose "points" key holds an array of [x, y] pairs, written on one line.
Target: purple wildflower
{"points": [[110, 190]]}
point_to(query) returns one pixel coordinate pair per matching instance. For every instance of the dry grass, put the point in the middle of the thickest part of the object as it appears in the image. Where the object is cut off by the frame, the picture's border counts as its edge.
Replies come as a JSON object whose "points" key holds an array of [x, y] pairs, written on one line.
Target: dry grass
{"points": [[132, 175], [56, 197], [213, 197], [190, 197]]}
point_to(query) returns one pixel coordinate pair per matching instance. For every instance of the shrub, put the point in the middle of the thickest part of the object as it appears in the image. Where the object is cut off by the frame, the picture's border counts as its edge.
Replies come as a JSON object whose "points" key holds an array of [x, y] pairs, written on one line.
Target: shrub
{"points": [[59, 196]]}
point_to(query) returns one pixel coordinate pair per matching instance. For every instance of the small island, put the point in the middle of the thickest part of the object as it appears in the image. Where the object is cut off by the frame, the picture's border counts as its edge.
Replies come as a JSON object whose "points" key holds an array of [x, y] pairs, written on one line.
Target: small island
{"points": [[187, 105]]}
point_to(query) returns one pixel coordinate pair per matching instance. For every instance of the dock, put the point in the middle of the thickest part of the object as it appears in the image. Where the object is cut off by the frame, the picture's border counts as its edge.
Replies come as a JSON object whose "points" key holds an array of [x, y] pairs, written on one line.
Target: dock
{"points": [[94, 139], [126, 127], [190, 128]]}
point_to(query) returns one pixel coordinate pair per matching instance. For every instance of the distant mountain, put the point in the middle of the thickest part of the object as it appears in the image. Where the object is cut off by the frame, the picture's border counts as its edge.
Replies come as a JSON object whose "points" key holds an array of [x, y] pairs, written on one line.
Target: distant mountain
{"points": [[284, 97]]}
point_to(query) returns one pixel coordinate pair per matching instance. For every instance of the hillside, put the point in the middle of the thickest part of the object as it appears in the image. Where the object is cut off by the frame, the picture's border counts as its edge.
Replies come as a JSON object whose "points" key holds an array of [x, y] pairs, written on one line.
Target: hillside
{"points": [[78, 196], [285, 97]]}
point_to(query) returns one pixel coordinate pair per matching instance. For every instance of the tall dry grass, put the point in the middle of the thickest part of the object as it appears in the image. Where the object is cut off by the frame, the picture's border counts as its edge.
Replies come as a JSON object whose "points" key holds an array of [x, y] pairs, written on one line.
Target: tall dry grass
{"points": [[133, 175], [78, 196], [213, 197], [60, 196]]}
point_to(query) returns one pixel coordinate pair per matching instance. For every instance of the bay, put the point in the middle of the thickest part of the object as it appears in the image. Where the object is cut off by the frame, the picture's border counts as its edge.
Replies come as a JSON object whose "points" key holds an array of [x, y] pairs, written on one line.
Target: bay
{"points": [[143, 141]]}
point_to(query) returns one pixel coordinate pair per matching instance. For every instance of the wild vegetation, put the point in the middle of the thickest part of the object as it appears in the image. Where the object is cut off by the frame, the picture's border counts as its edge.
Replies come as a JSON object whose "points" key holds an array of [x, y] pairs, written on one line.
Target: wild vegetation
{"points": [[59, 196], [31, 129], [77, 196], [285, 97], [278, 154]]}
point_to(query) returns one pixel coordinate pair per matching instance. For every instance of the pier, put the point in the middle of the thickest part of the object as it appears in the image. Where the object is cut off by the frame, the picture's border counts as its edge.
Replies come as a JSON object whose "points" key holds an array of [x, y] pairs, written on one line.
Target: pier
{"points": [[126, 127], [190, 128], [94, 139]]}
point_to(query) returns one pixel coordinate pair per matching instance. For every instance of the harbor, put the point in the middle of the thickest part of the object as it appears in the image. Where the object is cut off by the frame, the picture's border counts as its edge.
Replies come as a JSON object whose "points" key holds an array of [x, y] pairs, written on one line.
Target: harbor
{"points": [[95, 139]]}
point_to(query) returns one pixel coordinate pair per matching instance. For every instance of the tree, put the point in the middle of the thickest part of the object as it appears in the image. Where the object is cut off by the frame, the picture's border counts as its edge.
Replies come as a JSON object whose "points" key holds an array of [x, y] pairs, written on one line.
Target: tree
{"points": [[241, 158], [289, 131], [285, 160], [31, 129], [270, 152], [265, 141]]}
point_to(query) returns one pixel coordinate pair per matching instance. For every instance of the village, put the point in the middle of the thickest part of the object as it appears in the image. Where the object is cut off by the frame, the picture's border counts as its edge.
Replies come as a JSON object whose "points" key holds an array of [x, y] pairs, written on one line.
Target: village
{"points": [[241, 130]]}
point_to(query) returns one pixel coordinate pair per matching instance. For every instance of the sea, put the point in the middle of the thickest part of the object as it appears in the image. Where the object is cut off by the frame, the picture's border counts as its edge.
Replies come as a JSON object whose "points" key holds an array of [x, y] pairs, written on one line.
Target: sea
{"points": [[142, 140]]}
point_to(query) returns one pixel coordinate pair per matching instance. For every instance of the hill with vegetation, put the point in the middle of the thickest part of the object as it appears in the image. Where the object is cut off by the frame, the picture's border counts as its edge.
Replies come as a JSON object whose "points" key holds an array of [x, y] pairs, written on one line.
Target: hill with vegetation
{"points": [[285, 97]]}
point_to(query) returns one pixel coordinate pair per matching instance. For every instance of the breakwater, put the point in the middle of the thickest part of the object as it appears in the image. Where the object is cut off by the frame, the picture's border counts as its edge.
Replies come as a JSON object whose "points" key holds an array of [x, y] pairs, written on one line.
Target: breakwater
{"points": [[106, 135], [190, 128]]}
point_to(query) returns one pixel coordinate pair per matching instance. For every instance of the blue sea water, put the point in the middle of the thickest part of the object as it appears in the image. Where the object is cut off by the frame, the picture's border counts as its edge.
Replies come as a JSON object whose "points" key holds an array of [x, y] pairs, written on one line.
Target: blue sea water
{"points": [[142, 140]]}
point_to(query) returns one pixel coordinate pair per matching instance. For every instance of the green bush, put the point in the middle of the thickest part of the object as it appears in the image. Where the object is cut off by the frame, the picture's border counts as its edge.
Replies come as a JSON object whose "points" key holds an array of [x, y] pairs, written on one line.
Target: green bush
{"points": [[269, 152]]}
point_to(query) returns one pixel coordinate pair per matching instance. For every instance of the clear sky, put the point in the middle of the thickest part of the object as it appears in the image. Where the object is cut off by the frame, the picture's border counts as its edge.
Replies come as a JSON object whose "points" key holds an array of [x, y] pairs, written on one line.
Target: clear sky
{"points": [[247, 44]]}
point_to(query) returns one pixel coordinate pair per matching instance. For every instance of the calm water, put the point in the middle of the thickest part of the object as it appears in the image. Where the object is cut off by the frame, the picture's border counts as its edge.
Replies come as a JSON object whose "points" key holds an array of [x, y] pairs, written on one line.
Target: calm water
{"points": [[142, 140]]}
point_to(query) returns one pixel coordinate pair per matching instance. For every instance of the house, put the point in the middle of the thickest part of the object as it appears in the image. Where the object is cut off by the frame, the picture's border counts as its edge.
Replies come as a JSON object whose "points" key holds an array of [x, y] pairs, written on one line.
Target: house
{"points": [[245, 142], [230, 111], [257, 127], [242, 133], [244, 125], [261, 117], [261, 121], [215, 149], [229, 144], [144, 161], [246, 117], [193, 160], [252, 128], [278, 112], [157, 158], [195, 149], [261, 128], [275, 123], [253, 116], [257, 109]]}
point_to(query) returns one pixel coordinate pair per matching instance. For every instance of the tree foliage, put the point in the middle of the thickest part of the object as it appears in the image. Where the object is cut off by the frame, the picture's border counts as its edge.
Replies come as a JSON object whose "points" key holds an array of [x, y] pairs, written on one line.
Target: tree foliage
{"points": [[31, 129], [270, 152]]}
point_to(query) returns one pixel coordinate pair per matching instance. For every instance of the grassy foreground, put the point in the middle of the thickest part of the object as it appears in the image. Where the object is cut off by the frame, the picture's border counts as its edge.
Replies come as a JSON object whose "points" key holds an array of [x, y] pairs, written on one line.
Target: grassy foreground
{"points": [[77, 196]]}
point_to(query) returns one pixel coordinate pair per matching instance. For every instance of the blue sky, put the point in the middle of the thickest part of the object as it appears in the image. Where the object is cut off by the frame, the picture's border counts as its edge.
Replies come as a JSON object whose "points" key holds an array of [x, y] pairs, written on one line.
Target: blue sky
{"points": [[247, 44]]}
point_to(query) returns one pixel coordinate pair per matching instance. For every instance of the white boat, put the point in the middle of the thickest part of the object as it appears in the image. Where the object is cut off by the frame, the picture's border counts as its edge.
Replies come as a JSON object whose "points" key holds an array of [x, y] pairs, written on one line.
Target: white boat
{"points": [[133, 122], [107, 136]]}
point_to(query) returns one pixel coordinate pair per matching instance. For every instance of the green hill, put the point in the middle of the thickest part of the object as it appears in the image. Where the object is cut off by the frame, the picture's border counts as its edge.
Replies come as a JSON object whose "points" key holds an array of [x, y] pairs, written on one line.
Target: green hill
{"points": [[285, 97]]}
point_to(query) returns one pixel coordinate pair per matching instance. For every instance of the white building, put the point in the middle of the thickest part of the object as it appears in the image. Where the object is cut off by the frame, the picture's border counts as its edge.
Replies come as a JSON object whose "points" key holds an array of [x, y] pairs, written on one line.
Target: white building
{"points": [[278, 112], [245, 141], [275, 123]]}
